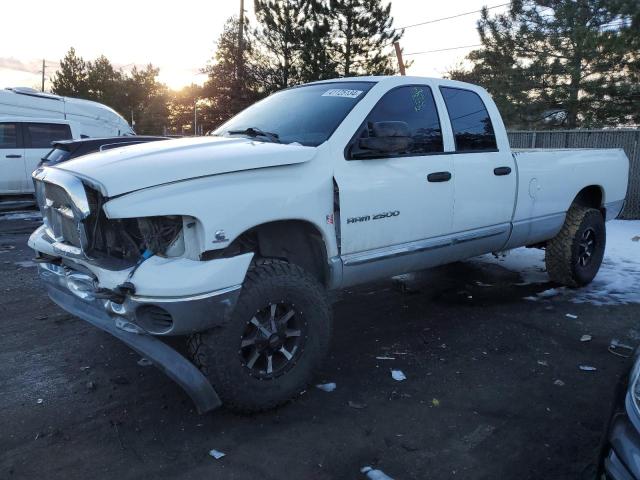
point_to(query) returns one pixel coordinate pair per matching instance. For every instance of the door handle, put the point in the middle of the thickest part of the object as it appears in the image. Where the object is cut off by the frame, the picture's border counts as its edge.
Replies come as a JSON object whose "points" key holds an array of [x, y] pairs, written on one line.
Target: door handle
{"points": [[439, 177], [13, 156], [502, 171]]}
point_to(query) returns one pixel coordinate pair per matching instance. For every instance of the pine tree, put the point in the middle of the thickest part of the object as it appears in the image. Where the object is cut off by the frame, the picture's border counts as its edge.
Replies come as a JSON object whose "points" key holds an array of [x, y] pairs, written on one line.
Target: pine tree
{"points": [[104, 82], [230, 89], [138, 94], [71, 78], [572, 61], [147, 100], [281, 32], [317, 58], [182, 109], [364, 34], [624, 110]]}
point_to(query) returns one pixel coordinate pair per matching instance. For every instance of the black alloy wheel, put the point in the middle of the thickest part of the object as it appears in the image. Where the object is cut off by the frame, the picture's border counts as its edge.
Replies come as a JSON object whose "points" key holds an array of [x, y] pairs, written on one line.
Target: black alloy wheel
{"points": [[273, 340]]}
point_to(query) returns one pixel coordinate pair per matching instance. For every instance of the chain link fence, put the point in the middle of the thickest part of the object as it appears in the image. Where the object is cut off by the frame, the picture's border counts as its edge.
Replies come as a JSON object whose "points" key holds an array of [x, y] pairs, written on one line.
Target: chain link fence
{"points": [[628, 140]]}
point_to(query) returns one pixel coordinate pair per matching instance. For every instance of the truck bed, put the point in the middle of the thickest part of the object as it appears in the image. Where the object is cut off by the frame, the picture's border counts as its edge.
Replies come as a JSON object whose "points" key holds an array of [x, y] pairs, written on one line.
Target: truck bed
{"points": [[549, 180]]}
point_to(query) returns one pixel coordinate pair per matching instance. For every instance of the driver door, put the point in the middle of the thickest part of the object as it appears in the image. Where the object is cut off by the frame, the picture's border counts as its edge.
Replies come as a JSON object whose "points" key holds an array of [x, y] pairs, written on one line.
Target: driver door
{"points": [[389, 200]]}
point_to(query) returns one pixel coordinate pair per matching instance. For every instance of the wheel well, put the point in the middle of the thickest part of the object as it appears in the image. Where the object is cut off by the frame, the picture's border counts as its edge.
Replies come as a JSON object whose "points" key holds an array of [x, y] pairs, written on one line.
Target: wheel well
{"points": [[296, 241], [590, 196]]}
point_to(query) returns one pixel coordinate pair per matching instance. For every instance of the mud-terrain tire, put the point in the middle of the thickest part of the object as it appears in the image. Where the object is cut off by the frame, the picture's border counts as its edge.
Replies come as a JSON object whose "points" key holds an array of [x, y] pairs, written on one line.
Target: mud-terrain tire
{"points": [[573, 257], [246, 380]]}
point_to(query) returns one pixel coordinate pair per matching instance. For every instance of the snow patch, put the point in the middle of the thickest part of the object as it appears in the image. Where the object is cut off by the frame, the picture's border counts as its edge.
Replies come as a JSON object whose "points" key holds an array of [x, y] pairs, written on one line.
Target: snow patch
{"points": [[552, 292], [375, 474], [617, 282], [326, 387], [217, 454]]}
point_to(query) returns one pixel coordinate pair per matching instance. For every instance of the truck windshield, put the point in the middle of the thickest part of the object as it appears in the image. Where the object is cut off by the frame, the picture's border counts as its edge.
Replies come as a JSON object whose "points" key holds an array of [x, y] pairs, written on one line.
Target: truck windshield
{"points": [[307, 115]]}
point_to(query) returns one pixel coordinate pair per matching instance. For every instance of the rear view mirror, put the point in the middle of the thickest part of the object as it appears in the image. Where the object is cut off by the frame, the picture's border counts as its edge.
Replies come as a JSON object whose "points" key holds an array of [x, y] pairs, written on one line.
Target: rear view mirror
{"points": [[386, 138]]}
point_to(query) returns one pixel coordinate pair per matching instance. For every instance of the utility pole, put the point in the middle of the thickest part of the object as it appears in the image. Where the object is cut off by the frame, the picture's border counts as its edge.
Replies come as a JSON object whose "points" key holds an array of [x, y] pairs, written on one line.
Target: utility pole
{"points": [[399, 55], [195, 117], [240, 42], [43, 67]]}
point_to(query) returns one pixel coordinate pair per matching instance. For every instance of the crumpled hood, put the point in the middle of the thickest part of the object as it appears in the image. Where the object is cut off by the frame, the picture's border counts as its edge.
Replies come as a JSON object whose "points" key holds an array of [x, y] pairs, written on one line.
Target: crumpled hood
{"points": [[127, 169]]}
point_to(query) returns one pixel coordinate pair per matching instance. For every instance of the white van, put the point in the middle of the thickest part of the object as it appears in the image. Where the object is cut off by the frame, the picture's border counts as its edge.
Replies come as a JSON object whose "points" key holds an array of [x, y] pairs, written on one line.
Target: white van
{"points": [[30, 121]]}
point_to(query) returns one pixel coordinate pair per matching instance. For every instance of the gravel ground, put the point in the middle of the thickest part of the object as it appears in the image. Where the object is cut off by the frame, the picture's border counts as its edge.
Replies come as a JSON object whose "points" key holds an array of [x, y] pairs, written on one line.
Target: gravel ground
{"points": [[493, 388]]}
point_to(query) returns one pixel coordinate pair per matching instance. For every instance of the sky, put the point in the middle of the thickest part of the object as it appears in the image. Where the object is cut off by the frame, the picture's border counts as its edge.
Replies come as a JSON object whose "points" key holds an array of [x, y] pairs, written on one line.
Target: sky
{"points": [[179, 37]]}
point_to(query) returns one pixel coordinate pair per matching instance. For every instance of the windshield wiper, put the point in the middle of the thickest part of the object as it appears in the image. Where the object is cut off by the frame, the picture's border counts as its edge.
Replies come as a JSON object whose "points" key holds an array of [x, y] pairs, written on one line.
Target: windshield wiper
{"points": [[256, 132]]}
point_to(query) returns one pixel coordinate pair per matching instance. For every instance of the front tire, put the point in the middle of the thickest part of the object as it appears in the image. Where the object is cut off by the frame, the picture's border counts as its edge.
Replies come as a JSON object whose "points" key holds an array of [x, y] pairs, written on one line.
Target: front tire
{"points": [[277, 336], [573, 257]]}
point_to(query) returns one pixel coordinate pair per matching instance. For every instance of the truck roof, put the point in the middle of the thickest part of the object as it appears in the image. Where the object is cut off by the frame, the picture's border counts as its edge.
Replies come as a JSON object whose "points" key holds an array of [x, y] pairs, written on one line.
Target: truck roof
{"points": [[402, 80]]}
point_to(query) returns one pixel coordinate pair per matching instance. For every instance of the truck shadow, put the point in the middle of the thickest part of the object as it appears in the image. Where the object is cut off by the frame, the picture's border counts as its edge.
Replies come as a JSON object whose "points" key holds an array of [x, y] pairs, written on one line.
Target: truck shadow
{"points": [[462, 283]]}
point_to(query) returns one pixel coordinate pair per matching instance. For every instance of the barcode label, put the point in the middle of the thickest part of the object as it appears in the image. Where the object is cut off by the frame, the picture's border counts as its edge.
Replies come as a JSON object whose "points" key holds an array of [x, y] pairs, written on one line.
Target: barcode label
{"points": [[342, 92]]}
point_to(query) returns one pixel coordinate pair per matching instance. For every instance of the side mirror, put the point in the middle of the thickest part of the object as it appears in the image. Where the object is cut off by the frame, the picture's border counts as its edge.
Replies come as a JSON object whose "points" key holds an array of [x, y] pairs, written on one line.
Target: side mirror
{"points": [[387, 137]]}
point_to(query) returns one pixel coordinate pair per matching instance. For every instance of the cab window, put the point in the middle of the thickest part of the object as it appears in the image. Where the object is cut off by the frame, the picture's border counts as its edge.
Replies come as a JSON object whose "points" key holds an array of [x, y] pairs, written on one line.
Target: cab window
{"points": [[470, 121], [8, 135], [408, 110], [41, 135]]}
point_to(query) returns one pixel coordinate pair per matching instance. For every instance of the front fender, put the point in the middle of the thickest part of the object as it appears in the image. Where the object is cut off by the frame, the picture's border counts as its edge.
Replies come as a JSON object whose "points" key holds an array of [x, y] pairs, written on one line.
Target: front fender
{"points": [[225, 206]]}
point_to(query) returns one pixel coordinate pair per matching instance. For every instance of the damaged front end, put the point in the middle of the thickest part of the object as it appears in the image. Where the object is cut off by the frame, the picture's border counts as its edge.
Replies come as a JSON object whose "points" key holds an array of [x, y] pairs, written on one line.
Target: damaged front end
{"points": [[122, 243], [132, 277], [78, 227]]}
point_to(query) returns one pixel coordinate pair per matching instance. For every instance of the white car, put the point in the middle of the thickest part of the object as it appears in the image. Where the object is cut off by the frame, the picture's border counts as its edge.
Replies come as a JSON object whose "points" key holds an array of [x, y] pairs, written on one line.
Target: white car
{"points": [[233, 240], [30, 121]]}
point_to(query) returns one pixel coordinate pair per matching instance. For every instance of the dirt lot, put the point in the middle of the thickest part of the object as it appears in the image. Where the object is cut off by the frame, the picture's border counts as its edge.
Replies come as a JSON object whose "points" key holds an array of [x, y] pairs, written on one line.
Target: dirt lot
{"points": [[479, 400]]}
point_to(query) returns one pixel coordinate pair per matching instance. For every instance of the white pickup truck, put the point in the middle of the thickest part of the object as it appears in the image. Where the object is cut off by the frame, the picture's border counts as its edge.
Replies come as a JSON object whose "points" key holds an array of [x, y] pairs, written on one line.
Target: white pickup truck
{"points": [[233, 240]]}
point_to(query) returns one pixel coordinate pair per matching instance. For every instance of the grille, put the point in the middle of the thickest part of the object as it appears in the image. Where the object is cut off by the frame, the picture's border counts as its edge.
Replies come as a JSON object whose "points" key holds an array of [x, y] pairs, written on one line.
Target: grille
{"points": [[58, 213]]}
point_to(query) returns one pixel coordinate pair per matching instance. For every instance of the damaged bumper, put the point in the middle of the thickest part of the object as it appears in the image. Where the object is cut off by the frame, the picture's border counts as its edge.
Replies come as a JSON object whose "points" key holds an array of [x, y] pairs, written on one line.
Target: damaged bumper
{"points": [[153, 315], [128, 321]]}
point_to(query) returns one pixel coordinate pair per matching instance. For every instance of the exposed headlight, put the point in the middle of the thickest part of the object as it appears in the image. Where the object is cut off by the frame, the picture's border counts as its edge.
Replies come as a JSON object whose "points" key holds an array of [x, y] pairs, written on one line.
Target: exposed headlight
{"points": [[162, 235]]}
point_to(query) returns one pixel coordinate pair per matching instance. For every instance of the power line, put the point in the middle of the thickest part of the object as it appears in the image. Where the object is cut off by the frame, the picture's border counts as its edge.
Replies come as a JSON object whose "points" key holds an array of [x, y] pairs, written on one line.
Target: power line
{"points": [[451, 17], [463, 46], [427, 22], [444, 49]]}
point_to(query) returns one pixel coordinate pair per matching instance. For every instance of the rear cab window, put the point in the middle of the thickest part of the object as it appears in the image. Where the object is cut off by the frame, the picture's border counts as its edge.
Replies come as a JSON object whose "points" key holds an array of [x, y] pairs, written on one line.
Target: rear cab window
{"points": [[470, 120], [42, 135]]}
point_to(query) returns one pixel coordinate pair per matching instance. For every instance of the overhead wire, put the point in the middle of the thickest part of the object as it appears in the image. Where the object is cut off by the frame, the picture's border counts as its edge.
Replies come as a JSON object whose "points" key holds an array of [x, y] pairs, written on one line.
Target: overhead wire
{"points": [[435, 20]]}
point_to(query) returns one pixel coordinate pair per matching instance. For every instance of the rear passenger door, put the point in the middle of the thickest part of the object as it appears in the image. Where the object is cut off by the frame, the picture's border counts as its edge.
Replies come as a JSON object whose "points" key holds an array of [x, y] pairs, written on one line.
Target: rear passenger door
{"points": [[38, 139], [485, 177], [12, 175]]}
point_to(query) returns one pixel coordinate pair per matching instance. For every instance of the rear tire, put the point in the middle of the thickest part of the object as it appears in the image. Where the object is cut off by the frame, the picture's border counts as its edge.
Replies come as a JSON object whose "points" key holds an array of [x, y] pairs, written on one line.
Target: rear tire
{"points": [[277, 336], [573, 257]]}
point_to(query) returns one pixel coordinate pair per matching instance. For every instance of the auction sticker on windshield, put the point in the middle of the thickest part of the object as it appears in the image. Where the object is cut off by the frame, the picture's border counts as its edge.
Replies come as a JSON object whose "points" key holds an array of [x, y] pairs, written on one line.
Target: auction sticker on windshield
{"points": [[342, 92]]}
